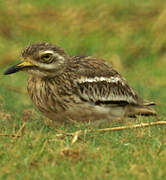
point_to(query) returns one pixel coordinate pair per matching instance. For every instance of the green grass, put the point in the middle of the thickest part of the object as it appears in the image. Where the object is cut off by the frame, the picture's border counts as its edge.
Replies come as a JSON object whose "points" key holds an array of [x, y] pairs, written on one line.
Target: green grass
{"points": [[131, 36]]}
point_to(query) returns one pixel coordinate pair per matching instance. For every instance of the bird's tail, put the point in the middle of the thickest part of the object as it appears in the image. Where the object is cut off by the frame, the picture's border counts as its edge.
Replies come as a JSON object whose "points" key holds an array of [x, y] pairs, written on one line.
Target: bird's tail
{"points": [[149, 103], [143, 110]]}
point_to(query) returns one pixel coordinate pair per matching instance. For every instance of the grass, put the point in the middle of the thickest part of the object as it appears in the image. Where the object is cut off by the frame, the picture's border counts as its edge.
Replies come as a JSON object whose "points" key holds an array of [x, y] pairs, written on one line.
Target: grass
{"points": [[132, 37]]}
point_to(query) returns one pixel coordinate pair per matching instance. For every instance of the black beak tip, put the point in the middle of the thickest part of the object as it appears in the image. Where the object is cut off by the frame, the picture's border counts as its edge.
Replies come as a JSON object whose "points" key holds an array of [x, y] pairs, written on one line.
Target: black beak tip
{"points": [[11, 70], [6, 72]]}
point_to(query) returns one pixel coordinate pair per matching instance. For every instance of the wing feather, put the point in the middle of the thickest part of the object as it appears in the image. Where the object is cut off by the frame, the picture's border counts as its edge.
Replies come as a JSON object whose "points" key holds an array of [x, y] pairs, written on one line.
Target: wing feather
{"points": [[101, 83]]}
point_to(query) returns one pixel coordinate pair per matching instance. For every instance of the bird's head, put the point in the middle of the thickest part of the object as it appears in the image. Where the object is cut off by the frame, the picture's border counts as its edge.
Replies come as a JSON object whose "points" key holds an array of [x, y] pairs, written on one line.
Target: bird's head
{"points": [[40, 59]]}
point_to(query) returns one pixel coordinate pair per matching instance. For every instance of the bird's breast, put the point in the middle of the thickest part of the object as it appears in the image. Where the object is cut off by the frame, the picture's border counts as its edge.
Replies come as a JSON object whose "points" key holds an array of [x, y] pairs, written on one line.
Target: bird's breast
{"points": [[46, 95]]}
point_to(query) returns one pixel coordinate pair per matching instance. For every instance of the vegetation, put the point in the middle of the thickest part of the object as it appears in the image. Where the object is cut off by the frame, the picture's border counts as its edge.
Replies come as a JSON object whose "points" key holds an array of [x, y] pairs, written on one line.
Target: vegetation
{"points": [[131, 36]]}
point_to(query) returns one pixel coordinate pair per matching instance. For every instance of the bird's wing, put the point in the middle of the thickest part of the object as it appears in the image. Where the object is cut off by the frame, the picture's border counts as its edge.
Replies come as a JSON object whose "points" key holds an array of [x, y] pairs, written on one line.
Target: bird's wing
{"points": [[100, 84]]}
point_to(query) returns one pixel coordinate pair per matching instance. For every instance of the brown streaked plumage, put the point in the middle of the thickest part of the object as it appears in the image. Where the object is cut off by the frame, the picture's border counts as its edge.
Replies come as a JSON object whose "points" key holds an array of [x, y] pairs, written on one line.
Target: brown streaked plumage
{"points": [[65, 87]]}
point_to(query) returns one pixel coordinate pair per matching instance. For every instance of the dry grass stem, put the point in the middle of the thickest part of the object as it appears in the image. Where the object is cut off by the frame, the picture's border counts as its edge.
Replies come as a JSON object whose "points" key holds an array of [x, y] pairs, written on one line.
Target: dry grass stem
{"points": [[18, 134], [142, 125], [43, 147], [75, 138], [20, 131], [10, 135]]}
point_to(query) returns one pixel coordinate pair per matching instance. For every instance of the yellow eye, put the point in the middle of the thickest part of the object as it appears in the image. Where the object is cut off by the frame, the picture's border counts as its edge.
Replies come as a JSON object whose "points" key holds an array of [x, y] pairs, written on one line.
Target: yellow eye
{"points": [[47, 57]]}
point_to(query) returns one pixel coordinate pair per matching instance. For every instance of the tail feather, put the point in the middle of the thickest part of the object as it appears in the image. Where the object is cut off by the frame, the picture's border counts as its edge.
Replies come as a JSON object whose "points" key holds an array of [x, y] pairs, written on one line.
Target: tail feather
{"points": [[149, 103], [141, 110]]}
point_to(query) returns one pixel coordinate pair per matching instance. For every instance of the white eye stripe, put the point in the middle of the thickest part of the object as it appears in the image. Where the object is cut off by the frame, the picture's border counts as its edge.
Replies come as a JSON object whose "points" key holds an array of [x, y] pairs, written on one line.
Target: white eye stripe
{"points": [[53, 53], [46, 52], [45, 66]]}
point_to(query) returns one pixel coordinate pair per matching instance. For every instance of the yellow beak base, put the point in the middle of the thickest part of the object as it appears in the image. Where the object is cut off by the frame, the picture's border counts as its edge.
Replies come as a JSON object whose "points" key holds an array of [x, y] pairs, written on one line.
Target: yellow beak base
{"points": [[25, 63]]}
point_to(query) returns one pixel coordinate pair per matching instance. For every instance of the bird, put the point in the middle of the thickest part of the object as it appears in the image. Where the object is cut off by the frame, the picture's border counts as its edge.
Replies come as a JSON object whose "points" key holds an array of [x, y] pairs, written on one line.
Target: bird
{"points": [[67, 88]]}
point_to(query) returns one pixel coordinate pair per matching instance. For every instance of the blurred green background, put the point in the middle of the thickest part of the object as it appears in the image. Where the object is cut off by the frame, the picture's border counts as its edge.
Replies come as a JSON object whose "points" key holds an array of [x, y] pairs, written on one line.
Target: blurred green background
{"points": [[129, 34]]}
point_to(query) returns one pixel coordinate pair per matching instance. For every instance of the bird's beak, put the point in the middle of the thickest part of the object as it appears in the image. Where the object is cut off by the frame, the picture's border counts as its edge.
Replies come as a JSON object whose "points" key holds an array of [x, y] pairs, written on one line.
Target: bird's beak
{"points": [[18, 67]]}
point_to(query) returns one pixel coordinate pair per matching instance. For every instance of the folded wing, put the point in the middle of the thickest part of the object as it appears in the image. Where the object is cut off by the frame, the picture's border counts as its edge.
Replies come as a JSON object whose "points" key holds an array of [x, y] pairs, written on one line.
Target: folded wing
{"points": [[103, 85]]}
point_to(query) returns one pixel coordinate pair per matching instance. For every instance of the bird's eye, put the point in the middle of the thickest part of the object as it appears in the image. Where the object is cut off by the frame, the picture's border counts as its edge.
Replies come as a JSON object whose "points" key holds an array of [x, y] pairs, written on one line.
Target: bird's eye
{"points": [[47, 58]]}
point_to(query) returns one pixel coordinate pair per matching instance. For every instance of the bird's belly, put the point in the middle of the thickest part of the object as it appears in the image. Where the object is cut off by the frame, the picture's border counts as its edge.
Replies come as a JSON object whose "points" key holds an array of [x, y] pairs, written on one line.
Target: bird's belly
{"points": [[86, 113]]}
